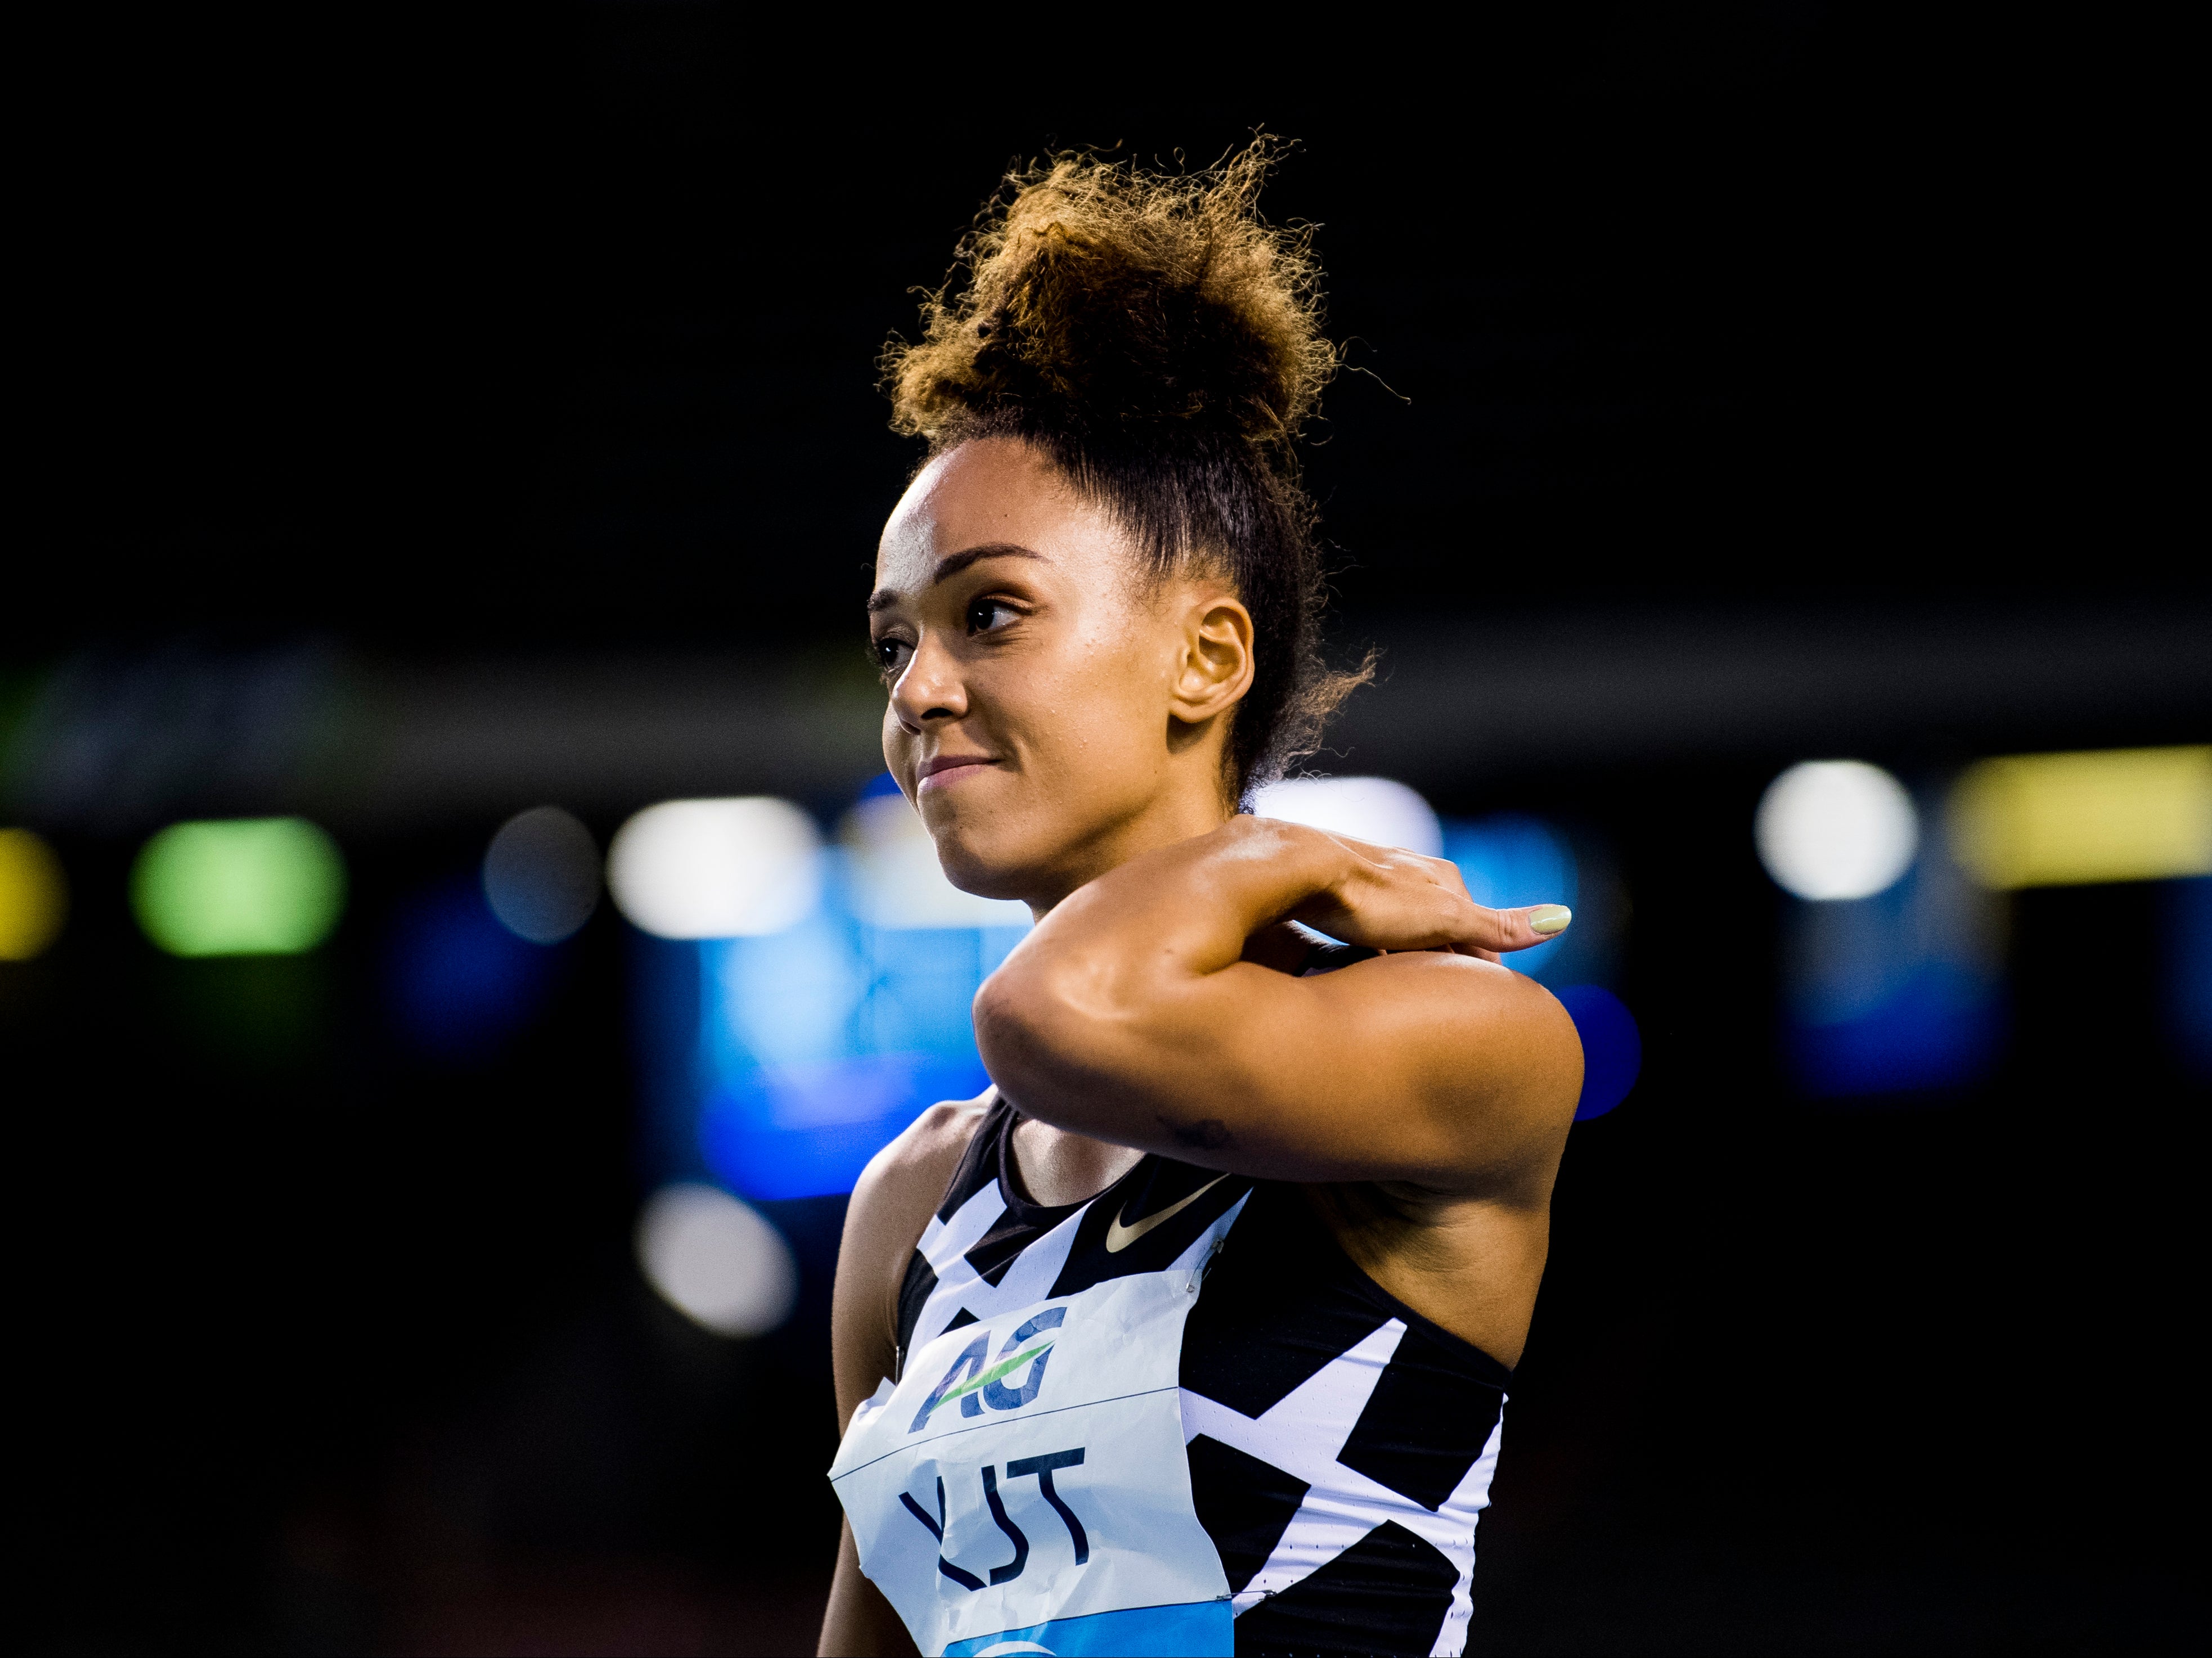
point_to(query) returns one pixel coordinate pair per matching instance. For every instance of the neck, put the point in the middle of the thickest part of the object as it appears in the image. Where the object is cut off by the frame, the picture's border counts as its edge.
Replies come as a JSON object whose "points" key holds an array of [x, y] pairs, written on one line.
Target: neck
{"points": [[1172, 814], [1055, 1167]]}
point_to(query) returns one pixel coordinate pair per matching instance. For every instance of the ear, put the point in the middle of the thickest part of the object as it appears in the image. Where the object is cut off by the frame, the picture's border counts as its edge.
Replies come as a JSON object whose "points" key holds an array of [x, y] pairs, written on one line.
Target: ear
{"points": [[1214, 667]]}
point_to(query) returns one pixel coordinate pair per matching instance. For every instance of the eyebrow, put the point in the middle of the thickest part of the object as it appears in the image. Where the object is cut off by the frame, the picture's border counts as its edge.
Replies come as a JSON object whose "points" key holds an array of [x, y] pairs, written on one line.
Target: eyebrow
{"points": [[883, 598]]}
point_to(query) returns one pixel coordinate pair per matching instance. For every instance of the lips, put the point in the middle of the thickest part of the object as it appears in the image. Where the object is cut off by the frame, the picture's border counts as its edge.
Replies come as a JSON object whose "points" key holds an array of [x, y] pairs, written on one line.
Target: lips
{"points": [[945, 770]]}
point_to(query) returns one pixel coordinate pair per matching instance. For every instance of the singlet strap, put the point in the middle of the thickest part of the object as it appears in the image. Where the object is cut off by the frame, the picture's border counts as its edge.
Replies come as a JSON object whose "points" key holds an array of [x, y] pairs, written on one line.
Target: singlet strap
{"points": [[1326, 955], [979, 1164]]}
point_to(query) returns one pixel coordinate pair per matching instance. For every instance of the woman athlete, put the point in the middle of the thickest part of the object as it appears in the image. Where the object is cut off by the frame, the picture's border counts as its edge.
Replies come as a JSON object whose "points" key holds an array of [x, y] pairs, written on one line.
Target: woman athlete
{"points": [[1095, 613]]}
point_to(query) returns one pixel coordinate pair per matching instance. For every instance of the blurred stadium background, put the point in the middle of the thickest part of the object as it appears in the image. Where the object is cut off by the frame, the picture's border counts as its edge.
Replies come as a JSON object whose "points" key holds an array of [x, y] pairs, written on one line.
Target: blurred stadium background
{"points": [[457, 944]]}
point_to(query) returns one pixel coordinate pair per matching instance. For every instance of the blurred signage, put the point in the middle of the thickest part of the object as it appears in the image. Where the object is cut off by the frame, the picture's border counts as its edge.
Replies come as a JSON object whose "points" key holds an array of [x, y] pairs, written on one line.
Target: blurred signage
{"points": [[817, 1042]]}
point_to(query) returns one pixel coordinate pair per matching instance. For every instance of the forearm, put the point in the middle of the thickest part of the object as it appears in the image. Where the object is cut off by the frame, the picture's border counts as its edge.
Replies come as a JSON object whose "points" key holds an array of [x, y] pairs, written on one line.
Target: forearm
{"points": [[1183, 911], [1074, 1024], [1132, 1015]]}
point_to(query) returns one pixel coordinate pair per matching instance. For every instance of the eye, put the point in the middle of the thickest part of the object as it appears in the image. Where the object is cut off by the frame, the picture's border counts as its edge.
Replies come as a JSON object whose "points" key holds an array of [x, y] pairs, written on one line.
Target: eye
{"points": [[984, 614], [890, 654]]}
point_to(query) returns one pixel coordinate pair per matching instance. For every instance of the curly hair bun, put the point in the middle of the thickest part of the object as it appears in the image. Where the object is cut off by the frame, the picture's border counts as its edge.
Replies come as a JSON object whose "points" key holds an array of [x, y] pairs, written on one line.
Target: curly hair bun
{"points": [[1162, 344], [1116, 304]]}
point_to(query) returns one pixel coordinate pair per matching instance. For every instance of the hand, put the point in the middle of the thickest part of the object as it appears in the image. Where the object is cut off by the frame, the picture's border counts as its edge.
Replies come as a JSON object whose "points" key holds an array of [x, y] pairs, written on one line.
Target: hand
{"points": [[1390, 899]]}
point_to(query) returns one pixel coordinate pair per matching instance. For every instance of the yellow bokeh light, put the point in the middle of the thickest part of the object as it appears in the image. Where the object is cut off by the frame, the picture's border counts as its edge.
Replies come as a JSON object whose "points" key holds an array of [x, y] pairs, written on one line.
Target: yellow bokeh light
{"points": [[2045, 820], [33, 896]]}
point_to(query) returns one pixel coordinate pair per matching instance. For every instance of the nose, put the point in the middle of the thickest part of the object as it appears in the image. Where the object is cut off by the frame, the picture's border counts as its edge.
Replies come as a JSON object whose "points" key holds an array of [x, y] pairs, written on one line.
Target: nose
{"points": [[930, 688]]}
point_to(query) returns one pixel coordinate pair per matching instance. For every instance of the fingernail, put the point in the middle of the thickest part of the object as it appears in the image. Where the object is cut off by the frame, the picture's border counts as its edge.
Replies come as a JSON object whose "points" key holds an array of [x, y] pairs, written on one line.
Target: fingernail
{"points": [[1548, 918]]}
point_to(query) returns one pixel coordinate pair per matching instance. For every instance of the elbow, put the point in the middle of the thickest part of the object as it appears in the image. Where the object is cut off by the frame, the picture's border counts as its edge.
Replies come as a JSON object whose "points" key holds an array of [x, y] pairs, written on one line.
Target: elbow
{"points": [[1558, 1073], [1017, 1019], [1047, 1029]]}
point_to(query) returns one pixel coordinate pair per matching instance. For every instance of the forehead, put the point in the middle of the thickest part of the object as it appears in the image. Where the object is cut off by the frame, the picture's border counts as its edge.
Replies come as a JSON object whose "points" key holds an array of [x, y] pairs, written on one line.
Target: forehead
{"points": [[992, 490]]}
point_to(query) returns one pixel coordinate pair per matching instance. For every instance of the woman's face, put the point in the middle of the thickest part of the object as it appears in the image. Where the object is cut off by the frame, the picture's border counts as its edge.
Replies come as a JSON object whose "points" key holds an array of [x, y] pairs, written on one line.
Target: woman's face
{"points": [[1051, 713]]}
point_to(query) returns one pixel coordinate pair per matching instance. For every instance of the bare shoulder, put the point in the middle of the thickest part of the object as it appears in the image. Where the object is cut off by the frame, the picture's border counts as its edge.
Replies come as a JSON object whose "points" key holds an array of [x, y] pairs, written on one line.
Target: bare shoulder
{"points": [[904, 1182], [890, 1208]]}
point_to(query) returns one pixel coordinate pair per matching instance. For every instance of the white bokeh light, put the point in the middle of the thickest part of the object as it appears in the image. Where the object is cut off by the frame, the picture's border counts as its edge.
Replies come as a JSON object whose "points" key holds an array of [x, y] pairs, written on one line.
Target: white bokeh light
{"points": [[1372, 808], [1836, 828], [897, 882], [716, 1260], [716, 869]]}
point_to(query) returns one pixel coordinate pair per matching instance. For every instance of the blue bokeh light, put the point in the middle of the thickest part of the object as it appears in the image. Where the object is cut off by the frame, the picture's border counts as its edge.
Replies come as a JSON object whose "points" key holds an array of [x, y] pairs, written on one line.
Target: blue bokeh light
{"points": [[2188, 980], [458, 983], [1509, 860], [1898, 994], [1613, 1048], [824, 1042], [817, 1044], [1936, 1027]]}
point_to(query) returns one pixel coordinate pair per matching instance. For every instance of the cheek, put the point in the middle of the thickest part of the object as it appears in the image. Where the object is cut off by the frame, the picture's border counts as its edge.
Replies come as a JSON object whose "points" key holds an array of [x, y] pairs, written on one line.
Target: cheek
{"points": [[898, 750], [1105, 705]]}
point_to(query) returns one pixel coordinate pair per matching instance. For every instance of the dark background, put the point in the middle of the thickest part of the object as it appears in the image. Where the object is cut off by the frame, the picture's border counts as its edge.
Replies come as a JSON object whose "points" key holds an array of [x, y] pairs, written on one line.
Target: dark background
{"points": [[422, 343]]}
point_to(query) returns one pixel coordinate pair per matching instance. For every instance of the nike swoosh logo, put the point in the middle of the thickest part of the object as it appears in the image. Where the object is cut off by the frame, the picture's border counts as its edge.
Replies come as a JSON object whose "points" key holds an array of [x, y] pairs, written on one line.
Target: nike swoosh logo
{"points": [[1119, 1237]]}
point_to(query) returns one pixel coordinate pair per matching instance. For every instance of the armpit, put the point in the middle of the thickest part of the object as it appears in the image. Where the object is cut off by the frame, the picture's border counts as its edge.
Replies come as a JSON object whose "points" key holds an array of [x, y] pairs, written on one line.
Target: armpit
{"points": [[1204, 1134]]}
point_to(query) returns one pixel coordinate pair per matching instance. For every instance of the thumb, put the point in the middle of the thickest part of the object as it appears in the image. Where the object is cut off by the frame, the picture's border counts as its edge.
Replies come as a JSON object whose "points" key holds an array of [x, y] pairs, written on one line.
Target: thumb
{"points": [[1516, 929]]}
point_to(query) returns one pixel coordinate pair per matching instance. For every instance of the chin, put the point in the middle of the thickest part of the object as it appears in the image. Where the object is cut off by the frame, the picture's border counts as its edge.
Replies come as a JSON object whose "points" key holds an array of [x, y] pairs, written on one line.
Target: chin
{"points": [[984, 839], [974, 864]]}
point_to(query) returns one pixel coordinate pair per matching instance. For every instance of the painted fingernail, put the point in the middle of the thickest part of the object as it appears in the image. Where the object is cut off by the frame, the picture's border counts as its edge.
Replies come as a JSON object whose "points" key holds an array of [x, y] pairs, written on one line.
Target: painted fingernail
{"points": [[1548, 918]]}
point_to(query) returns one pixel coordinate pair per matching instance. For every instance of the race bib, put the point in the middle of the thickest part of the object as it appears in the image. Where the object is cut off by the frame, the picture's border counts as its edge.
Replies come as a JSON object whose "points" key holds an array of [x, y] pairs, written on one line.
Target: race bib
{"points": [[1024, 1489]]}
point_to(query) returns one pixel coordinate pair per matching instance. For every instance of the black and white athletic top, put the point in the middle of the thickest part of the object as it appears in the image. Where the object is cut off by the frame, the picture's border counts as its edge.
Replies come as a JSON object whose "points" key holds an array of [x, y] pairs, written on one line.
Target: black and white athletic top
{"points": [[1340, 1444]]}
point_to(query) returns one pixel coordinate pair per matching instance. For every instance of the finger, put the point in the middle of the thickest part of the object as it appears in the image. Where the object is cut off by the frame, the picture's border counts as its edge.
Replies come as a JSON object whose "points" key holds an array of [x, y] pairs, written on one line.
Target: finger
{"points": [[1388, 857], [1525, 928]]}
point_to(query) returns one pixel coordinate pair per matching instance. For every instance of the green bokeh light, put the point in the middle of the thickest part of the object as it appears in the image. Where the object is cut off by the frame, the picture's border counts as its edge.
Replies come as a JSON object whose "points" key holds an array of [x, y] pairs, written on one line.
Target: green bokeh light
{"points": [[251, 886]]}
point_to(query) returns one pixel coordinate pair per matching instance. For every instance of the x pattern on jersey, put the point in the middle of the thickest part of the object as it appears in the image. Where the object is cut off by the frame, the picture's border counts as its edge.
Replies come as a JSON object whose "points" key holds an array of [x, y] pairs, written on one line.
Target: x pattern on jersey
{"points": [[1316, 1498], [1300, 1443], [974, 1280]]}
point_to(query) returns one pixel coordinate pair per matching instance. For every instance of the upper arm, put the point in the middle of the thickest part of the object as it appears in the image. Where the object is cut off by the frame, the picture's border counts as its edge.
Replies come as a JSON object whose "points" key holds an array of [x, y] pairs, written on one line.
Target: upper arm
{"points": [[891, 1207], [1418, 1066], [891, 1204]]}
